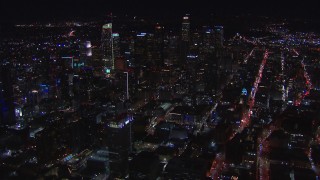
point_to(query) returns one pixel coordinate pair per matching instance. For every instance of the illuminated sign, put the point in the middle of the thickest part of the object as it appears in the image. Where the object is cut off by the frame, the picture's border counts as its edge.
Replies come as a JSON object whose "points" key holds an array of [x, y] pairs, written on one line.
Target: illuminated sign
{"points": [[192, 56], [18, 112], [44, 88], [121, 123], [186, 17], [107, 26], [88, 44], [244, 91], [78, 64], [115, 34], [141, 34], [108, 71]]}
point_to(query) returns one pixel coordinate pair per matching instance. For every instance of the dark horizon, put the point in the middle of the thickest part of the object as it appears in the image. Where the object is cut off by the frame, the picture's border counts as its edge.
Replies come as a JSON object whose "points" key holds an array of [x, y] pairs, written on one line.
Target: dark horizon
{"points": [[15, 11]]}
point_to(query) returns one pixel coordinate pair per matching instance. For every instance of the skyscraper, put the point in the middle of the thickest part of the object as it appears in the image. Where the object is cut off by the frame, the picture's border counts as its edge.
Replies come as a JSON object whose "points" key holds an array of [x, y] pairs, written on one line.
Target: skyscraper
{"points": [[119, 142], [158, 45], [208, 39], [218, 36], [119, 133], [107, 45], [140, 48], [6, 96], [185, 38], [185, 33], [116, 45]]}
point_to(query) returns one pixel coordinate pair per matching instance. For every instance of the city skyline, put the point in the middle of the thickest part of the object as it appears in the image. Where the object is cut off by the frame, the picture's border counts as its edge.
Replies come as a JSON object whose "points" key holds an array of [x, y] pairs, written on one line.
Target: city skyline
{"points": [[156, 90], [21, 11]]}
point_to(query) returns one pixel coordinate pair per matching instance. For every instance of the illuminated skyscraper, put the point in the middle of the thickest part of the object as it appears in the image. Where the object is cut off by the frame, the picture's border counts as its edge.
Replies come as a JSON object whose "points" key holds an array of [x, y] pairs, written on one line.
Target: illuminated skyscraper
{"points": [[185, 33], [107, 45], [119, 133], [119, 142], [116, 45], [185, 37]]}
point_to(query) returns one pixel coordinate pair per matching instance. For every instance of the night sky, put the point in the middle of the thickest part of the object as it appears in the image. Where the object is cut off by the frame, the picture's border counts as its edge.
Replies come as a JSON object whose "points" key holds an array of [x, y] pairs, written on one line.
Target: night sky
{"points": [[14, 11]]}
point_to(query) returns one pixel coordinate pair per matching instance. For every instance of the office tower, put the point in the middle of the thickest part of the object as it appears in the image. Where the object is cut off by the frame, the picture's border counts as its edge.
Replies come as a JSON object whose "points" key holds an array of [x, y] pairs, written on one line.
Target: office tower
{"points": [[194, 44], [158, 33], [195, 40], [140, 48], [208, 40], [218, 36], [171, 49], [119, 133], [107, 45], [85, 55], [150, 54], [119, 142], [159, 45], [116, 45], [6, 96], [185, 33], [147, 50], [185, 37]]}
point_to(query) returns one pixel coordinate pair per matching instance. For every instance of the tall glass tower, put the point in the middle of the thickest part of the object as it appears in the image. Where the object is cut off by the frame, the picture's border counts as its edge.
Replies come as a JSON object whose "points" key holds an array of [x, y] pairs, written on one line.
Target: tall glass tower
{"points": [[107, 45], [185, 33], [185, 38], [116, 44]]}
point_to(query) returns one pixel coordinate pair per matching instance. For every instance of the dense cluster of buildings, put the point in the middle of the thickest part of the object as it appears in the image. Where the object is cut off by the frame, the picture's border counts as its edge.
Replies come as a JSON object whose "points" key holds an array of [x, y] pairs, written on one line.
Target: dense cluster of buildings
{"points": [[129, 98]]}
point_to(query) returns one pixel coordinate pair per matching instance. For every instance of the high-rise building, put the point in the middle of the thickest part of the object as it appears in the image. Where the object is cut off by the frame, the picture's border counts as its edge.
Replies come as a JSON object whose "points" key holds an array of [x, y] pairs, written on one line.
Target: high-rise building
{"points": [[195, 40], [159, 45], [185, 33], [185, 38], [119, 143], [170, 50], [116, 45], [6, 96], [218, 36], [208, 39], [107, 45], [141, 48], [119, 133]]}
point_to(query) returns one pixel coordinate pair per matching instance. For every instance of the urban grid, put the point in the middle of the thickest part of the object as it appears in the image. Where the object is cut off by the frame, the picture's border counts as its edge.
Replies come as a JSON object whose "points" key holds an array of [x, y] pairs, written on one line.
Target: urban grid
{"points": [[230, 97]]}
